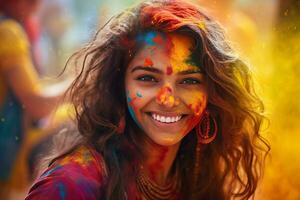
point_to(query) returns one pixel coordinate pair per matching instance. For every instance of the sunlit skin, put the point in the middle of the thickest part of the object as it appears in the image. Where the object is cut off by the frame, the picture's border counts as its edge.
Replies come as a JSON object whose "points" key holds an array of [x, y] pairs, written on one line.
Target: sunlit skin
{"points": [[172, 88]]}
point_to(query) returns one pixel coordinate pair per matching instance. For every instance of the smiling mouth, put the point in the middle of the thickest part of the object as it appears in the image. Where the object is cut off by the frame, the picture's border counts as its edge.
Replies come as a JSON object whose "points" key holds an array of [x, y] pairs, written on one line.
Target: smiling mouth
{"points": [[166, 119]]}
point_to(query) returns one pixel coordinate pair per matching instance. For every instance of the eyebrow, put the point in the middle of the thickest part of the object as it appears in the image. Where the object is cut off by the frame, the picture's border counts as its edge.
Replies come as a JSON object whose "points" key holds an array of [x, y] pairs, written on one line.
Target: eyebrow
{"points": [[155, 70], [149, 69], [191, 71]]}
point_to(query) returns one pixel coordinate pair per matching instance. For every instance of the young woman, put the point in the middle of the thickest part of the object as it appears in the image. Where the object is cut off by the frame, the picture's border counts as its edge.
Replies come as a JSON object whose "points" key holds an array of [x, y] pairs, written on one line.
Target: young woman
{"points": [[165, 110]]}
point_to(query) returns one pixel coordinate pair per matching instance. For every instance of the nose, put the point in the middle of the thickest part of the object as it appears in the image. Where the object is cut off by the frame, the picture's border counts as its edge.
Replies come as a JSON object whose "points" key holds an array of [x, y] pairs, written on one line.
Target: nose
{"points": [[166, 97]]}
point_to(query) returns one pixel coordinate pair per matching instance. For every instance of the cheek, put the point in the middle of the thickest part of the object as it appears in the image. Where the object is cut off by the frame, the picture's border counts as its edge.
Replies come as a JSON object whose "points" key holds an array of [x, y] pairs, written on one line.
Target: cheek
{"points": [[131, 98], [132, 107], [192, 122], [197, 103], [133, 103], [136, 101]]}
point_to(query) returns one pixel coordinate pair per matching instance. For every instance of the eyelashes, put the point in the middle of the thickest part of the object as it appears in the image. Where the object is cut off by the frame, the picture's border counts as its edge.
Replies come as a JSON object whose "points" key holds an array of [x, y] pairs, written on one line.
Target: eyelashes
{"points": [[191, 81], [184, 81], [147, 78]]}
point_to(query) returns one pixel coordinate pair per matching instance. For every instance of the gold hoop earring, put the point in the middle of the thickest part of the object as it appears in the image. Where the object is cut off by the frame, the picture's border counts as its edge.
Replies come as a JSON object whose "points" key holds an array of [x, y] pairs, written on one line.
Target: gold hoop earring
{"points": [[207, 128]]}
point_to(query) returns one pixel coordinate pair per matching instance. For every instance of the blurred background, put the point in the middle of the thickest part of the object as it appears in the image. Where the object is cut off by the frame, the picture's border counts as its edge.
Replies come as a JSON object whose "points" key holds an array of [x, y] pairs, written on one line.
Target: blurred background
{"points": [[266, 33]]}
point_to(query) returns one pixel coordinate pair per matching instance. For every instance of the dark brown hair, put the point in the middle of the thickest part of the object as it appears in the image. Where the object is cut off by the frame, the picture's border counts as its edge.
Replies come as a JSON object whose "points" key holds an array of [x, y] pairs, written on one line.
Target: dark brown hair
{"points": [[228, 167]]}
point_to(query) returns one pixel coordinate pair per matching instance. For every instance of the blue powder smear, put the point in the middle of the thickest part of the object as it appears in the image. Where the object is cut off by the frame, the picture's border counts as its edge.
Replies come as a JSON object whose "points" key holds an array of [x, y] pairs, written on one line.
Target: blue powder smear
{"points": [[139, 94], [147, 38], [131, 111]]}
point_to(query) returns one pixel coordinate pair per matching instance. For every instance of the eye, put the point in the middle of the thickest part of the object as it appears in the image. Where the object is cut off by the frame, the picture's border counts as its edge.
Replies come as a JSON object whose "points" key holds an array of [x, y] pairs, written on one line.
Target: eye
{"points": [[147, 78], [190, 81]]}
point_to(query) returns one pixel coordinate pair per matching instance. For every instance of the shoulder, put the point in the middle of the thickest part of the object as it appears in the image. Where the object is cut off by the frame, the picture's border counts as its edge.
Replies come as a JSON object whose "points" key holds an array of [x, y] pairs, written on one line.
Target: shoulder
{"points": [[13, 39], [79, 175]]}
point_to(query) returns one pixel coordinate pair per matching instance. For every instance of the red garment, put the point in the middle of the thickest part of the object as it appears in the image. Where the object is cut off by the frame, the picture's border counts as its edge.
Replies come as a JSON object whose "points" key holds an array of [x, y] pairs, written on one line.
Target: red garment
{"points": [[78, 176]]}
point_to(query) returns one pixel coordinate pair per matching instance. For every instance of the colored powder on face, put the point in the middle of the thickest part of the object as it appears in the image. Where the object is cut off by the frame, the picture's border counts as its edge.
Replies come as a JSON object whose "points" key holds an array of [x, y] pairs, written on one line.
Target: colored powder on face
{"points": [[194, 60], [180, 54], [170, 101], [138, 94], [147, 38], [169, 70], [196, 108], [165, 97], [161, 97], [158, 39], [148, 62], [152, 38], [168, 89], [168, 44], [131, 109], [163, 93]]}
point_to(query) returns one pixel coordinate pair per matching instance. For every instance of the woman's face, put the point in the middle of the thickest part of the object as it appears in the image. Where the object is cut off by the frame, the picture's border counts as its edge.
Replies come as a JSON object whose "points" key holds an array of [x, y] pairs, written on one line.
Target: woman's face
{"points": [[166, 92]]}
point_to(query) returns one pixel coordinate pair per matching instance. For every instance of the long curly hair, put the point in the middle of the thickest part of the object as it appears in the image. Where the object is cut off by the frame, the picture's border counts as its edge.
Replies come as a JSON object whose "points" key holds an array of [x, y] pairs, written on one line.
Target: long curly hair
{"points": [[231, 165]]}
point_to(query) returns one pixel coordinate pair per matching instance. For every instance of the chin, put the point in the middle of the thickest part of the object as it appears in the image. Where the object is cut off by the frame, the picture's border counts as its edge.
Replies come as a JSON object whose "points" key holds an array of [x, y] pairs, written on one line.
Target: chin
{"points": [[165, 140]]}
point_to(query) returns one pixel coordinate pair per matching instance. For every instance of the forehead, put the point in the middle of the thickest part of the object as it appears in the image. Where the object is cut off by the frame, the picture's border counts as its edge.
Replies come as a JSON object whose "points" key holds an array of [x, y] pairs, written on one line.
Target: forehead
{"points": [[165, 41], [159, 49]]}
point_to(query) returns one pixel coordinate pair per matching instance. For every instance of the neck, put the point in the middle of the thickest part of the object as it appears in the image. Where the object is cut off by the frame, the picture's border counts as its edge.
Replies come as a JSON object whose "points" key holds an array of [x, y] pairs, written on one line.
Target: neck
{"points": [[158, 162]]}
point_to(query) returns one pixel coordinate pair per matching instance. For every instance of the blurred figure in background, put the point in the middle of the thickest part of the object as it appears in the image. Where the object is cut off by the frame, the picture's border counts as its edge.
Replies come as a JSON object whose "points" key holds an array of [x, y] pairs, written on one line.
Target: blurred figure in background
{"points": [[21, 92], [56, 21], [32, 28]]}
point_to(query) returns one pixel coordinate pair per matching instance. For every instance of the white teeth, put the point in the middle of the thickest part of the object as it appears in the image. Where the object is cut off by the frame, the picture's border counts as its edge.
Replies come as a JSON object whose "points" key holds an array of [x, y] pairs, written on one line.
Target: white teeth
{"points": [[165, 119], [168, 119]]}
